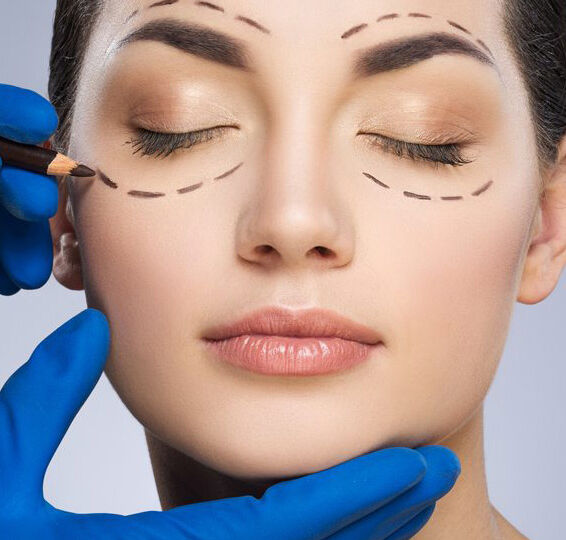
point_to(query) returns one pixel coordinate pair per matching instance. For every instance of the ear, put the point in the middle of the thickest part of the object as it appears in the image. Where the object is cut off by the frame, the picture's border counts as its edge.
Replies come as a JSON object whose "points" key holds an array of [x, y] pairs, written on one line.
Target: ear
{"points": [[546, 256], [66, 253]]}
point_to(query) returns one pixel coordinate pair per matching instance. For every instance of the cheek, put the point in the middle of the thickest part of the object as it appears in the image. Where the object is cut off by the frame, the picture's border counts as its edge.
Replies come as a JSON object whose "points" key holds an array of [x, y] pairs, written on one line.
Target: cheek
{"points": [[148, 265], [450, 294]]}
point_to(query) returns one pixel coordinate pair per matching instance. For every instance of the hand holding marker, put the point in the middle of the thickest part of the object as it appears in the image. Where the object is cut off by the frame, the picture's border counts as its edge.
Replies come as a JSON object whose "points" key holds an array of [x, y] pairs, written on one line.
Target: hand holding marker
{"points": [[28, 197]]}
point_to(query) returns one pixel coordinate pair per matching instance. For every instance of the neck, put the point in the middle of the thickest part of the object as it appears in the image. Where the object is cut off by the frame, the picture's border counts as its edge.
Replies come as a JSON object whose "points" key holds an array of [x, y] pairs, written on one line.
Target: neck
{"points": [[465, 512]]}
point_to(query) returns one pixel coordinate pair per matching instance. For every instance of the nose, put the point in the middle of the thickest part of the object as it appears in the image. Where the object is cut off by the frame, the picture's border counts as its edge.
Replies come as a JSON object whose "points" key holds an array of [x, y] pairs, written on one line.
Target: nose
{"points": [[296, 218]]}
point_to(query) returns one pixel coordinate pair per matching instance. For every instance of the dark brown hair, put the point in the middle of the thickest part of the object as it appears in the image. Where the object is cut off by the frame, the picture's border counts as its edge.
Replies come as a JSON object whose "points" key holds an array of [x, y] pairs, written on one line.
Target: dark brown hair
{"points": [[534, 29]]}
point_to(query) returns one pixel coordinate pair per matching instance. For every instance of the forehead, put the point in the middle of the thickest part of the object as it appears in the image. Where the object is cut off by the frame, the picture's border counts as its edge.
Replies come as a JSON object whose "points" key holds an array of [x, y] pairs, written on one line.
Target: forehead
{"points": [[316, 38], [294, 23]]}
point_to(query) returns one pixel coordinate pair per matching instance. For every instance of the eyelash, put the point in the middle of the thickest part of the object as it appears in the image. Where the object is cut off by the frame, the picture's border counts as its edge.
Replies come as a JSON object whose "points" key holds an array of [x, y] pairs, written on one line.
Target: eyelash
{"points": [[435, 154], [155, 143]]}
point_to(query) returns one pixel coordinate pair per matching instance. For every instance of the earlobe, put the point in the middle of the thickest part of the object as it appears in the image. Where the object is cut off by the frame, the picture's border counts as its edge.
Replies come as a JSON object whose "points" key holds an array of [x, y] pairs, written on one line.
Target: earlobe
{"points": [[546, 255], [67, 267]]}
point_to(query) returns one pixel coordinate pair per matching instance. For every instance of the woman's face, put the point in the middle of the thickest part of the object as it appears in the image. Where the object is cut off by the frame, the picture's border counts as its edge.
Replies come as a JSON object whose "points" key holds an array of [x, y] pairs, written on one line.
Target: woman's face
{"points": [[430, 257]]}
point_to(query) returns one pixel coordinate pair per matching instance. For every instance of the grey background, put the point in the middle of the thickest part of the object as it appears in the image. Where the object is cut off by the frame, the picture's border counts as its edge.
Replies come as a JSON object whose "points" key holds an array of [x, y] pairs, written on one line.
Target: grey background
{"points": [[102, 464]]}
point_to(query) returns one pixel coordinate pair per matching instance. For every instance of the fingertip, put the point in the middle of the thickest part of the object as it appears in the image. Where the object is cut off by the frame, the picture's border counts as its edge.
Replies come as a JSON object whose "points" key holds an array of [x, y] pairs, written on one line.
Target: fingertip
{"points": [[27, 195], [443, 454], [410, 457], [81, 344], [27, 117]]}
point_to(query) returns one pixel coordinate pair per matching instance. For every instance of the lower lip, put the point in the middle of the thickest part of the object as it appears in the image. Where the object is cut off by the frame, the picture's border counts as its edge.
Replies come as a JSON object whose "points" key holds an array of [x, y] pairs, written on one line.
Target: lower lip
{"points": [[284, 355]]}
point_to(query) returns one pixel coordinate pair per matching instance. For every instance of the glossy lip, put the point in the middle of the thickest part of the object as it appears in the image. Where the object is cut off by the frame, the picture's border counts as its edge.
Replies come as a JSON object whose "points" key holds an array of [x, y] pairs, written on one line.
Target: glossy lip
{"points": [[314, 322]]}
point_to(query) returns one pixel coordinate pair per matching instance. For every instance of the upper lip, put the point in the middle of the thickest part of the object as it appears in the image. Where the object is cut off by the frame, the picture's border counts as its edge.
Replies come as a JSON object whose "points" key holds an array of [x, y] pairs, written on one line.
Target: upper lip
{"points": [[299, 323]]}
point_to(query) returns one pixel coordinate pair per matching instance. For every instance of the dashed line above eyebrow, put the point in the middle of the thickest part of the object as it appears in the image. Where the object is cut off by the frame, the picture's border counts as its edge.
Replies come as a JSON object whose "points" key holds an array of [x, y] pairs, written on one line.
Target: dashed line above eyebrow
{"points": [[459, 27], [209, 5], [358, 27], [162, 3], [253, 23], [388, 16], [203, 3], [353, 30]]}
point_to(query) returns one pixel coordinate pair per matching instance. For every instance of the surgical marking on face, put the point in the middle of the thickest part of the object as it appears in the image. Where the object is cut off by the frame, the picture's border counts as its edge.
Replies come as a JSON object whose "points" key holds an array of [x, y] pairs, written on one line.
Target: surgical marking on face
{"points": [[154, 194], [209, 5], [190, 188], [228, 172], [388, 16], [379, 182], [416, 195], [459, 27], [107, 180], [410, 194], [253, 23], [482, 189], [148, 194], [353, 30], [396, 16], [131, 16], [201, 3], [484, 46], [163, 3]]}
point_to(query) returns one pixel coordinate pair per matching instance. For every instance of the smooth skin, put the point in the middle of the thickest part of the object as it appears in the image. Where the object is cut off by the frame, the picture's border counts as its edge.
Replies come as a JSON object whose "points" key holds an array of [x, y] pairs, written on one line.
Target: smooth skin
{"points": [[299, 225], [387, 494]]}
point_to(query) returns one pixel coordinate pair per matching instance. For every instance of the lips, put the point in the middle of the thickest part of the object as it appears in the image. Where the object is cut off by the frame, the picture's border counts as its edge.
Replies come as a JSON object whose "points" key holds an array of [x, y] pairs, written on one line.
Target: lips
{"points": [[304, 323], [278, 341]]}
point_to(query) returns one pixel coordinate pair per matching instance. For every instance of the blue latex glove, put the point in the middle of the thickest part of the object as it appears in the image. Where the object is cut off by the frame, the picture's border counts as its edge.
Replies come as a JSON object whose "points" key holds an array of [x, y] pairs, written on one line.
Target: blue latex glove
{"points": [[27, 199], [389, 493]]}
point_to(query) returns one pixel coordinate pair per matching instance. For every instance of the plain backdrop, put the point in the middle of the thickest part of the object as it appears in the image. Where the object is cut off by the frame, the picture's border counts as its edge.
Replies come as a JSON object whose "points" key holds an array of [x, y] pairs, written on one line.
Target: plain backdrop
{"points": [[102, 464]]}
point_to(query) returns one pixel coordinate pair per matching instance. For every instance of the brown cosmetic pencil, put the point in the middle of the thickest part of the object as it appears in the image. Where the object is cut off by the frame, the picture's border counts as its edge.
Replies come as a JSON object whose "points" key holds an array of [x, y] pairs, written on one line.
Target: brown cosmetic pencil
{"points": [[40, 160]]}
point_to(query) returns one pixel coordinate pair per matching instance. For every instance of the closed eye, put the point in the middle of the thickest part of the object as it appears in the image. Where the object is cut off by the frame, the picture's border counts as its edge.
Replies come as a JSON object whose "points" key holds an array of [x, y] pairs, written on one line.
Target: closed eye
{"points": [[159, 144], [437, 154]]}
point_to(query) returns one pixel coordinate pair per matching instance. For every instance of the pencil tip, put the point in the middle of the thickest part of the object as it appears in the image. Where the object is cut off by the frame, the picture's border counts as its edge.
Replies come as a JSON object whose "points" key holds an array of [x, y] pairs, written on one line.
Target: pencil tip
{"points": [[82, 170]]}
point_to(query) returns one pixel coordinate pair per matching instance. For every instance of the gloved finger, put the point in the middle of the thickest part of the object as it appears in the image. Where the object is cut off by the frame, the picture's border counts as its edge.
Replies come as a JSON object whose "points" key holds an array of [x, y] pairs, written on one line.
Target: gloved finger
{"points": [[28, 195], [7, 286], [308, 507], [414, 526], [312, 506], [443, 468], [26, 250], [40, 400], [25, 116]]}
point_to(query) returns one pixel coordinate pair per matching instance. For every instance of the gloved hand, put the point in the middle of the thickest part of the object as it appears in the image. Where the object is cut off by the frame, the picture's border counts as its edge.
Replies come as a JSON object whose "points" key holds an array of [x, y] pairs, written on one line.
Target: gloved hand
{"points": [[27, 199], [390, 493]]}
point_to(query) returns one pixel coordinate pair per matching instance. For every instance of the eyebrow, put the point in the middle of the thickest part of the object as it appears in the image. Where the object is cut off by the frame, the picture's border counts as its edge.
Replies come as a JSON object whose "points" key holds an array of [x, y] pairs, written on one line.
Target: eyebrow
{"points": [[216, 46], [193, 39], [406, 51]]}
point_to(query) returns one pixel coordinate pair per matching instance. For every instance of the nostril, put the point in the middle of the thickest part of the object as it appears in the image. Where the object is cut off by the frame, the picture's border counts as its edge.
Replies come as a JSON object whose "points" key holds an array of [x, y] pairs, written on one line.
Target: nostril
{"points": [[323, 251], [264, 249]]}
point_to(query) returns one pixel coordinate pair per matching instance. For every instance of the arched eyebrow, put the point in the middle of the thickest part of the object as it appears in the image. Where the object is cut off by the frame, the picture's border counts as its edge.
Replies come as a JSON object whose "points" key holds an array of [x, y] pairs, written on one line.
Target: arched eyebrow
{"points": [[216, 46], [193, 39], [403, 52]]}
